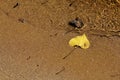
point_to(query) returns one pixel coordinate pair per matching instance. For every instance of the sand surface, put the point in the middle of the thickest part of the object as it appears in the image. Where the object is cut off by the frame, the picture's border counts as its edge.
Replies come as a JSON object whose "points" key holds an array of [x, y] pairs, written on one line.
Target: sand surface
{"points": [[33, 40]]}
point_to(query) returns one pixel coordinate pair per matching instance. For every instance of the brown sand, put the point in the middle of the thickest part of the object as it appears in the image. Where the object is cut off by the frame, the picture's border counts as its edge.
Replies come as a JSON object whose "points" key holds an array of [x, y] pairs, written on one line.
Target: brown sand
{"points": [[33, 40]]}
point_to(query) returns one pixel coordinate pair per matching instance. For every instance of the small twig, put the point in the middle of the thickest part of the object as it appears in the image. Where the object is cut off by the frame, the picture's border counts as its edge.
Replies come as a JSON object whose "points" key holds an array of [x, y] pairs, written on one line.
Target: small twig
{"points": [[60, 71], [69, 31], [69, 53], [115, 75], [15, 5]]}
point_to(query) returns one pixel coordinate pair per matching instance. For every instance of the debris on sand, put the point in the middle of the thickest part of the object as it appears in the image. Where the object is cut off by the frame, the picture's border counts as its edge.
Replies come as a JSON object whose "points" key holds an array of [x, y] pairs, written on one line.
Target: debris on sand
{"points": [[80, 41], [77, 23], [69, 53], [21, 20], [60, 71], [17, 4]]}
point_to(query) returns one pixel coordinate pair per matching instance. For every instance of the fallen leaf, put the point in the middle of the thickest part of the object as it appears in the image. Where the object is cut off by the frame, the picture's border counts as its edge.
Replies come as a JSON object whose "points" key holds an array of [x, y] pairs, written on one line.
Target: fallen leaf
{"points": [[80, 41]]}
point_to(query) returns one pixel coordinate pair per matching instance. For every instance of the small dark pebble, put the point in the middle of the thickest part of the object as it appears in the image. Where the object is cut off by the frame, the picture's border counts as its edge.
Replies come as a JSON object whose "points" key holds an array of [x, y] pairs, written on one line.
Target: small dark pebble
{"points": [[15, 5], [71, 3], [54, 35], [21, 20], [77, 23], [37, 65], [28, 57]]}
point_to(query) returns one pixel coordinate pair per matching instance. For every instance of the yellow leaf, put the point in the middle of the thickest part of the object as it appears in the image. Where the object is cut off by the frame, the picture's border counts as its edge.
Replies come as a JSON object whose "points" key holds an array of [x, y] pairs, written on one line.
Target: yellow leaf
{"points": [[80, 41]]}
